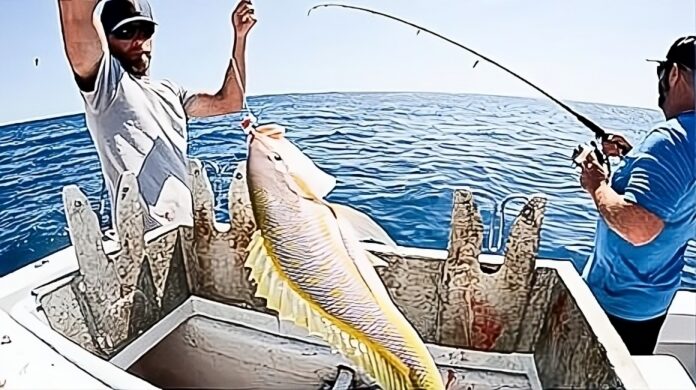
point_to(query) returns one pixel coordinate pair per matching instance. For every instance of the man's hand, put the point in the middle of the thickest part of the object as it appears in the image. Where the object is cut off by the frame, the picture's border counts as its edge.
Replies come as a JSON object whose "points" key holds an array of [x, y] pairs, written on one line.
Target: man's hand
{"points": [[593, 174], [616, 145], [243, 18]]}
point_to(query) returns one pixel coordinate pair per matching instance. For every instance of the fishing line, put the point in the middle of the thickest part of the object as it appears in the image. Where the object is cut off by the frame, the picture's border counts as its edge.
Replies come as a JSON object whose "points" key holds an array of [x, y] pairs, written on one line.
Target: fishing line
{"points": [[253, 119], [599, 132]]}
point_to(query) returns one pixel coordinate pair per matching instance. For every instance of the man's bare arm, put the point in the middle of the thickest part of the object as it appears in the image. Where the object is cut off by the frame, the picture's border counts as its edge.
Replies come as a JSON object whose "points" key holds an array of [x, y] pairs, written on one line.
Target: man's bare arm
{"points": [[83, 45], [231, 95], [629, 220]]}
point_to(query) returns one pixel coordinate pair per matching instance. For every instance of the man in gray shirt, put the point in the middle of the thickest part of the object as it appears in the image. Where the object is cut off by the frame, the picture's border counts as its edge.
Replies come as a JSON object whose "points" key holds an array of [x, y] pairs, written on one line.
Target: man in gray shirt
{"points": [[136, 123]]}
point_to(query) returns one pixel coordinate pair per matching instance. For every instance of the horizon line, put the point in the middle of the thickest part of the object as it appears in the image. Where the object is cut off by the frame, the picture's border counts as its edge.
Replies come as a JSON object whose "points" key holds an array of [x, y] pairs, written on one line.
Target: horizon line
{"points": [[69, 114]]}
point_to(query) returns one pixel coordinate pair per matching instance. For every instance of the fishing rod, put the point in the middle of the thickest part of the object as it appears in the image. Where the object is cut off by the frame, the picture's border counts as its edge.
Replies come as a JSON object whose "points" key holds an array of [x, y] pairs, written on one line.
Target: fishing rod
{"points": [[598, 131]]}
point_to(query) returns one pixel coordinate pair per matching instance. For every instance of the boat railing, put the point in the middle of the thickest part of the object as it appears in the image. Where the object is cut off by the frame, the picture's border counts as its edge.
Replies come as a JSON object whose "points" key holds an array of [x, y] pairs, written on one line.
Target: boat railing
{"points": [[496, 233], [219, 173], [216, 172]]}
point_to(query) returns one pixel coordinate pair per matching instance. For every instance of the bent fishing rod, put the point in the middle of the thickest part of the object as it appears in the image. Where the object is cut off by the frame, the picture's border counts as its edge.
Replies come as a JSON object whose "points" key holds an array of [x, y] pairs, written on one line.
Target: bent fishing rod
{"points": [[598, 131]]}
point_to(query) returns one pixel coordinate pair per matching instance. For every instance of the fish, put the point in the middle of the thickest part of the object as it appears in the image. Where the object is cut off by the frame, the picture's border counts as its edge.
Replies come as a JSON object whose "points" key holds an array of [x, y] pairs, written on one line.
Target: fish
{"points": [[309, 266], [305, 172], [243, 219], [302, 167]]}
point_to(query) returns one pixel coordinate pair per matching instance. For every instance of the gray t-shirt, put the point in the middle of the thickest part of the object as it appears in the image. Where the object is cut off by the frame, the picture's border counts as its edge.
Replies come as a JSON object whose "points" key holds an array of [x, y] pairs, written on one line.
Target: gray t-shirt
{"points": [[139, 125]]}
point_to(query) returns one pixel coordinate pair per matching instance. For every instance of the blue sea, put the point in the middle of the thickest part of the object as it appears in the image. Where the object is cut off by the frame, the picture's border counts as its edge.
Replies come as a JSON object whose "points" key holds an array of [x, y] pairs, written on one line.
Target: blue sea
{"points": [[397, 156]]}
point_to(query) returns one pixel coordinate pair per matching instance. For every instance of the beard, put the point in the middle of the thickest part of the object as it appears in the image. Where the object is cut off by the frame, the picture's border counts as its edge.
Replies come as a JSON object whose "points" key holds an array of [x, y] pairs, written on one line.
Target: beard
{"points": [[138, 66], [661, 100], [662, 89]]}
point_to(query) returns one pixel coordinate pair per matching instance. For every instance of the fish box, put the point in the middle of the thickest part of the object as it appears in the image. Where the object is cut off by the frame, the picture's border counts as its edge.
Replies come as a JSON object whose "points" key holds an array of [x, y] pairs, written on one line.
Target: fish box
{"points": [[175, 307]]}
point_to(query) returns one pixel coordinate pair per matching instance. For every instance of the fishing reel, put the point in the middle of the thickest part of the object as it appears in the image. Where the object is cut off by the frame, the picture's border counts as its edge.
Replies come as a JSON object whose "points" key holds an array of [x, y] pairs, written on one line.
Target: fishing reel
{"points": [[580, 154]]}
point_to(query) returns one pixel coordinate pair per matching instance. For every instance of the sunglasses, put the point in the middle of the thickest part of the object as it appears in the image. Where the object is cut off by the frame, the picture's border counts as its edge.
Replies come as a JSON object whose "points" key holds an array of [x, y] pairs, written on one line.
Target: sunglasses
{"points": [[131, 30], [662, 67]]}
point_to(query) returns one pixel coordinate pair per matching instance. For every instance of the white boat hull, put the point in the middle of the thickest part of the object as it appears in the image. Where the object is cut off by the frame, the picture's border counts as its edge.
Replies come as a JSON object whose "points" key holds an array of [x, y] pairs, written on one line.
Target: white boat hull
{"points": [[678, 335], [38, 357]]}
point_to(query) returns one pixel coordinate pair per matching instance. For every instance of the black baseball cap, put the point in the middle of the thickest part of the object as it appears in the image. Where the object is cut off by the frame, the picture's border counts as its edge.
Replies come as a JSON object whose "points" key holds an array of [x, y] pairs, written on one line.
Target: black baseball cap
{"points": [[683, 52], [116, 13]]}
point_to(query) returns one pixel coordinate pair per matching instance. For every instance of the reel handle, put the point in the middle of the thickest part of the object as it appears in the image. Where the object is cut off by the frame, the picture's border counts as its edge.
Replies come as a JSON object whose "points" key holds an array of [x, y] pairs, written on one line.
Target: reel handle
{"points": [[623, 149], [580, 154]]}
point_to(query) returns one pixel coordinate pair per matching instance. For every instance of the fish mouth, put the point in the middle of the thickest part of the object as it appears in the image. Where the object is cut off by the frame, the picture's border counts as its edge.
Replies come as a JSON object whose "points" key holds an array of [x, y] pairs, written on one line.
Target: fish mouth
{"points": [[261, 135], [260, 153], [255, 140], [257, 134]]}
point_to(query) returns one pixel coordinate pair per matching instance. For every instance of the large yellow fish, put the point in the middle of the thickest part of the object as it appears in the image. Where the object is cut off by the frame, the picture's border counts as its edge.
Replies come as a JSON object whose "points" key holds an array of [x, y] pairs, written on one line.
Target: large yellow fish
{"points": [[310, 267]]}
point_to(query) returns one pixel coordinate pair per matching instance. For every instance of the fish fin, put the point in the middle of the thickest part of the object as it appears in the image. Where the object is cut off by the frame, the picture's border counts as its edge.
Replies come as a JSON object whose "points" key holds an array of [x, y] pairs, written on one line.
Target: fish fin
{"points": [[349, 234], [364, 261], [364, 226], [304, 189], [283, 296]]}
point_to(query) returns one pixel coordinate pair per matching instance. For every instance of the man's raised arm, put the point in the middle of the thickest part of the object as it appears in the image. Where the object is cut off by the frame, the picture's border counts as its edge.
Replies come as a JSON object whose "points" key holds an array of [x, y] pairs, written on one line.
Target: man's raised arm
{"points": [[83, 45], [230, 96]]}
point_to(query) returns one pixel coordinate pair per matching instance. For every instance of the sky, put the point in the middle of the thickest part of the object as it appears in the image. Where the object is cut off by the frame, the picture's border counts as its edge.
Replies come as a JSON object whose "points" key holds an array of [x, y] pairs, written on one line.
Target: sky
{"points": [[590, 51]]}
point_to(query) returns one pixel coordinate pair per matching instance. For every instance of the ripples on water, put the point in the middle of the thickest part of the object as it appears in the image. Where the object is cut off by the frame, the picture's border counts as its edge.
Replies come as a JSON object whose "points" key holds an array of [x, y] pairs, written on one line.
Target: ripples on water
{"points": [[397, 157]]}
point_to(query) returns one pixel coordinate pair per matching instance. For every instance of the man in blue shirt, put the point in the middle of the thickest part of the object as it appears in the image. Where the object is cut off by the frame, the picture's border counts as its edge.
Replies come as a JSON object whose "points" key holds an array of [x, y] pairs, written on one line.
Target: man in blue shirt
{"points": [[647, 210]]}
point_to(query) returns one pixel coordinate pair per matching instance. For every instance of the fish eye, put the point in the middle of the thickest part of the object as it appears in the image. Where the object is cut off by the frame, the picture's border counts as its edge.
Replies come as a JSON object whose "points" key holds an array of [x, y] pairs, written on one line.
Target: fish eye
{"points": [[238, 176], [275, 156]]}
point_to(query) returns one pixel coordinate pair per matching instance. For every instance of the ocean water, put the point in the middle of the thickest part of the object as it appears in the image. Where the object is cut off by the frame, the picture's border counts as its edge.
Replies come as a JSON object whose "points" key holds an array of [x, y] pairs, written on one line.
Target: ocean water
{"points": [[397, 157]]}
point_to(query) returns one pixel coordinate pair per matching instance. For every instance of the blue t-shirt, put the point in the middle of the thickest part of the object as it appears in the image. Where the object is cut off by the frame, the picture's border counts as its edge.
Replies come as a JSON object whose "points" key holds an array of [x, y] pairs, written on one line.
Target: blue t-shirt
{"points": [[639, 282]]}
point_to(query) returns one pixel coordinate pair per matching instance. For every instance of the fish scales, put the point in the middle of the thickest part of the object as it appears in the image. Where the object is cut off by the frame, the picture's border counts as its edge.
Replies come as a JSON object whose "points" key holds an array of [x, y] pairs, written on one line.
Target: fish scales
{"points": [[325, 272]]}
